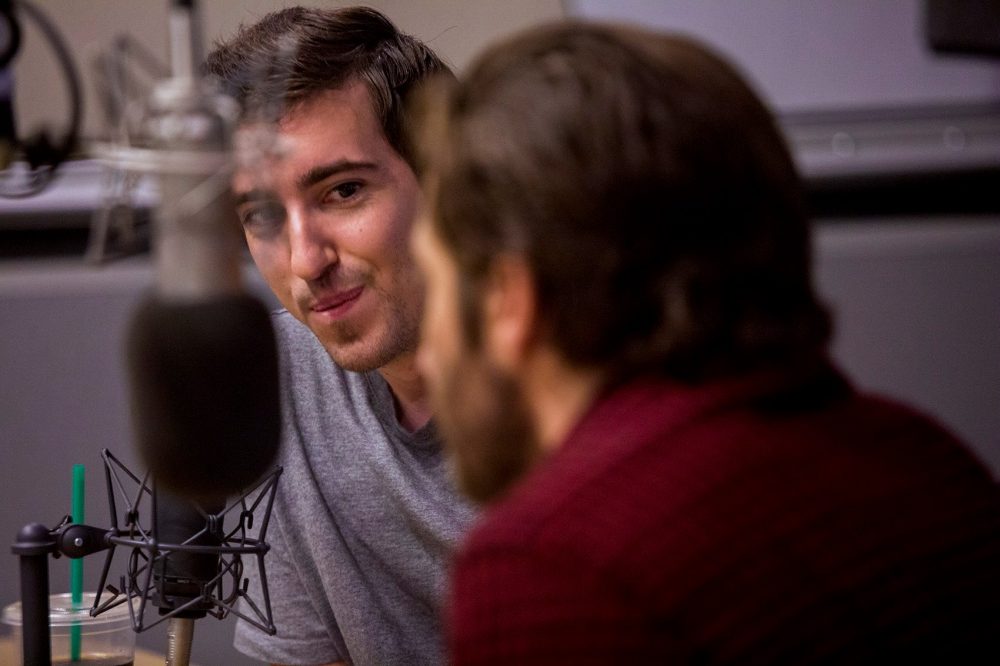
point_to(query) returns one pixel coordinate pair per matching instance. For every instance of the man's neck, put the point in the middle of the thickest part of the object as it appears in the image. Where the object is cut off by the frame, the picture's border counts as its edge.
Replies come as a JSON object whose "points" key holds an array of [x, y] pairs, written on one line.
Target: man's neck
{"points": [[558, 395], [413, 407]]}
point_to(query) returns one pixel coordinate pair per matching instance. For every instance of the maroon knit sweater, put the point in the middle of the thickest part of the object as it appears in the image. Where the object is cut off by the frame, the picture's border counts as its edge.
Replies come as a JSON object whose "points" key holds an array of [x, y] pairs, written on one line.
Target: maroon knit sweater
{"points": [[778, 518]]}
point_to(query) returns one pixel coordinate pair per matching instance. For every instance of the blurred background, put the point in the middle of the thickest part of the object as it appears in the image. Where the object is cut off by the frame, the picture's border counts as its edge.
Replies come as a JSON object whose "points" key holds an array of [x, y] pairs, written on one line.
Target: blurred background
{"points": [[892, 110]]}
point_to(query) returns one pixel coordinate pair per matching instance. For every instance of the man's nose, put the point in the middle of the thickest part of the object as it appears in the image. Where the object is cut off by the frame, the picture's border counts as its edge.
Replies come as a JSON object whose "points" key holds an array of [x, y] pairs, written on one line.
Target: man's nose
{"points": [[312, 251]]}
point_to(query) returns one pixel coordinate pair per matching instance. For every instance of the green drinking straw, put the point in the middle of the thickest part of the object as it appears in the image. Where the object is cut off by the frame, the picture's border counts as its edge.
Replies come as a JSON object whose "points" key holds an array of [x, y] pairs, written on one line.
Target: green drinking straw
{"points": [[76, 565]]}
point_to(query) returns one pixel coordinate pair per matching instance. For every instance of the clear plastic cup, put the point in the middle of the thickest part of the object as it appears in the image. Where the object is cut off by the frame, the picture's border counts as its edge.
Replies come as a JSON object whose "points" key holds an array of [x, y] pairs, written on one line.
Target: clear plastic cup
{"points": [[105, 640]]}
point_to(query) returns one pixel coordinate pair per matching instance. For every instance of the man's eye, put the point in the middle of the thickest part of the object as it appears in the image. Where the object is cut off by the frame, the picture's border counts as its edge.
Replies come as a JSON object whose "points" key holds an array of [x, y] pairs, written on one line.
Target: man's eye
{"points": [[343, 191], [262, 216]]}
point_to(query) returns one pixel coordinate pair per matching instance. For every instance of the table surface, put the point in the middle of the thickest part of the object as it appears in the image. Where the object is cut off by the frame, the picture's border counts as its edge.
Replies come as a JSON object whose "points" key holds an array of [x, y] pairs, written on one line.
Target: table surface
{"points": [[142, 657]]}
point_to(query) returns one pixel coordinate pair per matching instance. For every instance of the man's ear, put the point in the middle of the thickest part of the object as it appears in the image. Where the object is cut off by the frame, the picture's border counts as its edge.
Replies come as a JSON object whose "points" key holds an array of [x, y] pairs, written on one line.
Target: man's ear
{"points": [[510, 312]]}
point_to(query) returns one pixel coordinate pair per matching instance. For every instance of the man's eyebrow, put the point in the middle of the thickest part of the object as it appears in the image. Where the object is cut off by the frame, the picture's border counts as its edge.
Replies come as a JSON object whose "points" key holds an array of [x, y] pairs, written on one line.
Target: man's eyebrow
{"points": [[318, 174], [252, 196]]}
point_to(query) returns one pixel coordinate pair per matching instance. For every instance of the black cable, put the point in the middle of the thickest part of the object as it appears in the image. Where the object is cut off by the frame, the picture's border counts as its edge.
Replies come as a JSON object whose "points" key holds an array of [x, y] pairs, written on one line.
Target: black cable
{"points": [[43, 156], [13, 33]]}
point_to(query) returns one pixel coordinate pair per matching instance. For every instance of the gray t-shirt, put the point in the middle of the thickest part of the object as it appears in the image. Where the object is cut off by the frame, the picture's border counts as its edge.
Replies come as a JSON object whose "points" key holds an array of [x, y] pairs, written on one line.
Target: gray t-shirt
{"points": [[365, 521]]}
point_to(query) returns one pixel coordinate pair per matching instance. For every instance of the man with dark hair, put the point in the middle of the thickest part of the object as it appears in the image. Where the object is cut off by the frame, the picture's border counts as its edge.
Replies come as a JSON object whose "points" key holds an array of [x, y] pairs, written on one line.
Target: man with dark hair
{"points": [[628, 360], [365, 517]]}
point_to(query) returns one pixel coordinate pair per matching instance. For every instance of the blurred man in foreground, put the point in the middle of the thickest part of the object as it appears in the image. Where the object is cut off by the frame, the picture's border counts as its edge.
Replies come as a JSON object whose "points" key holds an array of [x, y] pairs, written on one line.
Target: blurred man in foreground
{"points": [[629, 361]]}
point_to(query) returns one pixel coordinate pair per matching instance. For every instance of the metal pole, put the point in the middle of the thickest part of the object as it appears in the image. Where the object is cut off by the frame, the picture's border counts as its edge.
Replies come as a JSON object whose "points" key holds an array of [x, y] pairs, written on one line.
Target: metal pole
{"points": [[33, 546], [180, 631]]}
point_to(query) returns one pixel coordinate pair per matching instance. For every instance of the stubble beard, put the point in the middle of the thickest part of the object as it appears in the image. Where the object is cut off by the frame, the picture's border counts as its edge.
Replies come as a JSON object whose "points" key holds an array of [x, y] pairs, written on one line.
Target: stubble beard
{"points": [[395, 332], [487, 428], [358, 350]]}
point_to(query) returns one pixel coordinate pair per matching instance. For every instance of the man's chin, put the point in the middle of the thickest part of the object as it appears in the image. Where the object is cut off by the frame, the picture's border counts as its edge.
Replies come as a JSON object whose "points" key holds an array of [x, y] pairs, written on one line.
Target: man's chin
{"points": [[356, 351], [358, 357]]}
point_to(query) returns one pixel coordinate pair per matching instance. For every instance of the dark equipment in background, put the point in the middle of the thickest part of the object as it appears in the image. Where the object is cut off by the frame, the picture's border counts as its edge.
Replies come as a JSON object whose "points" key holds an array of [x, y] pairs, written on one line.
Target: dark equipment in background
{"points": [[968, 27], [41, 152], [952, 29]]}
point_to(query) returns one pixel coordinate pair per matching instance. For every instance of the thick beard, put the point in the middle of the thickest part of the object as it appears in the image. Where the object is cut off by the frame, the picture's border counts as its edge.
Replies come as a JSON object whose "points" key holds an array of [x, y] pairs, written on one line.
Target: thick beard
{"points": [[487, 428]]}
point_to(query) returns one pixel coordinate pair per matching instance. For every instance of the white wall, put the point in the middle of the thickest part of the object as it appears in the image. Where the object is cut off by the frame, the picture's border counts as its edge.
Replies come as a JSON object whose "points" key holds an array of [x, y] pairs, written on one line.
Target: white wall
{"points": [[916, 303], [820, 54], [456, 29]]}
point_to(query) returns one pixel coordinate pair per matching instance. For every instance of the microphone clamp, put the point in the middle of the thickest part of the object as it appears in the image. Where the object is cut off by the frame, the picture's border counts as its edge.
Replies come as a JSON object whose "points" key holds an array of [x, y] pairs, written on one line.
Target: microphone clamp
{"points": [[149, 574]]}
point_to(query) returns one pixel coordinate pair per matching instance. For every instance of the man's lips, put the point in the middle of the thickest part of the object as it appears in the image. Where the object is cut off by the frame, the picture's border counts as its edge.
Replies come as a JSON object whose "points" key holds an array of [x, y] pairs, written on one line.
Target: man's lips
{"points": [[336, 302]]}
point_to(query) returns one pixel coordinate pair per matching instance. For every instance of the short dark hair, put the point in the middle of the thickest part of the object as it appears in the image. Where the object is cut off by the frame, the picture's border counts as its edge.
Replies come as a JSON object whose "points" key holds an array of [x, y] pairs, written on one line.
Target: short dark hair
{"points": [[326, 49], [649, 189]]}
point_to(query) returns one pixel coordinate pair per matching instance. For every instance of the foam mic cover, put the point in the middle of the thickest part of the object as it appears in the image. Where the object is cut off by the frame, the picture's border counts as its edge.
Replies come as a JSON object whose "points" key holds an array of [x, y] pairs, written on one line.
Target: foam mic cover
{"points": [[205, 397]]}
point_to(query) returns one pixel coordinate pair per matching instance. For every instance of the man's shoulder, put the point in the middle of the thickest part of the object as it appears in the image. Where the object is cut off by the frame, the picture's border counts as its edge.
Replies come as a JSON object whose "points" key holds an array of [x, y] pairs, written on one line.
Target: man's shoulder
{"points": [[598, 469], [287, 327], [649, 470], [295, 340], [311, 379]]}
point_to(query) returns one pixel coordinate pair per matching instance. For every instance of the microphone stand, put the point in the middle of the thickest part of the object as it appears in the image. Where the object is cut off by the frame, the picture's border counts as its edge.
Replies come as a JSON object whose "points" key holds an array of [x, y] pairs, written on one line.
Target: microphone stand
{"points": [[180, 631], [34, 545], [188, 131], [36, 542]]}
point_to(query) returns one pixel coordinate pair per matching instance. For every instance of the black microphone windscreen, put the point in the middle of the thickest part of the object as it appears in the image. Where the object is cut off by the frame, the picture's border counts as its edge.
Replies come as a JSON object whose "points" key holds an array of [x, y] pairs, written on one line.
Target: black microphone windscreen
{"points": [[181, 576], [205, 396]]}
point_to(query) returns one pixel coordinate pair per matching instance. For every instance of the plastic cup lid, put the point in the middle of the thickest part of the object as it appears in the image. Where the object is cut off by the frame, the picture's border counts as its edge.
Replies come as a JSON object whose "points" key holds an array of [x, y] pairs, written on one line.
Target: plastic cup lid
{"points": [[63, 612]]}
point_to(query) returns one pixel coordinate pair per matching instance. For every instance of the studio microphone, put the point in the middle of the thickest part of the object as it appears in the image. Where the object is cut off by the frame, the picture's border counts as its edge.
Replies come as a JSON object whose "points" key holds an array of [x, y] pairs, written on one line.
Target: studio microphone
{"points": [[202, 367], [201, 352]]}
